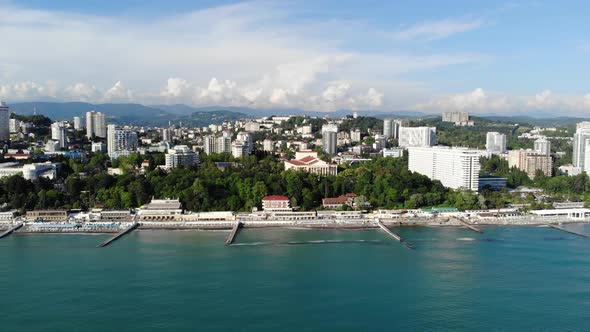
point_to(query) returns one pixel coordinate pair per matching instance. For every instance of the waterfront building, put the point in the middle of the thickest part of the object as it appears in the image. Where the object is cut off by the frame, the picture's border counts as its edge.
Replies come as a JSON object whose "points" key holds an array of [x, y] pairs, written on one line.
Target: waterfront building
{"points": [[417, 137], [492, 182], [47, 215], [495, 142], [543, 147], [338, 202], [275, 203], [308, 161], [4, 122], [161, 210], [120, 142], [181, 156], [59, 134], [95, 124], [456, 168]]}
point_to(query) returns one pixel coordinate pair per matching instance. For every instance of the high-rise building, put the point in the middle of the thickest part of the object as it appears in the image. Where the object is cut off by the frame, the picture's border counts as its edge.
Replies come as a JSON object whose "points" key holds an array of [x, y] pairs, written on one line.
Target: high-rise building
{"points": [[4, 122], [543, 147], [95, 124], [78, 124], [417, 137], [355, 135], [455, 168], [246, 139], [120, 140], [496, 143], [530, 162], [455, 117], [391, 128], [239, 149], [217, 144], [581, 141], [167, 134], [181, 155], [330, 138], [59, 134]]}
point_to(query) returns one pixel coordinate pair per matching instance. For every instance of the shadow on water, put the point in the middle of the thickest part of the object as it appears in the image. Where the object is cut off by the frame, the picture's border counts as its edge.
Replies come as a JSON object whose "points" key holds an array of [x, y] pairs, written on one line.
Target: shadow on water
{"points": [[319, 242]]}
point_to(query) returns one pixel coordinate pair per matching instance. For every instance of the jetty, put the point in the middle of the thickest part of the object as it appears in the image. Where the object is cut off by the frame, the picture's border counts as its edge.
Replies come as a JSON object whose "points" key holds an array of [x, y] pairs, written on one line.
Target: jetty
{"points": [[568, 231], [468, 225], [120, 234], [392, 234], [11, 230], [234, 232]]}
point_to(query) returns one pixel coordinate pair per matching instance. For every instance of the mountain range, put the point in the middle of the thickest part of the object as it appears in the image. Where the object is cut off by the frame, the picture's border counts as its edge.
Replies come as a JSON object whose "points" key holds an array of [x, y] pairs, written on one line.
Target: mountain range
{"points": [[161, 115]]}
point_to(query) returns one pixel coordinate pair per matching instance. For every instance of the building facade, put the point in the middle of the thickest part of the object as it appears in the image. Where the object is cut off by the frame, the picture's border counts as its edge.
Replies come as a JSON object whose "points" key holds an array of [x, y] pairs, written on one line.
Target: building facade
{"points": [[308, 161], [120, 140], [543, 147], [4, 122], [181, 156], [96, 124], [454, 168], [417, 137], [496, 143]]}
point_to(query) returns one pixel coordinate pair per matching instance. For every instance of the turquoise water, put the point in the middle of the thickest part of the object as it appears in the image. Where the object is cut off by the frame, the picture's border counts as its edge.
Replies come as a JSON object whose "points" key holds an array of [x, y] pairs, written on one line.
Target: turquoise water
{"points": [[510, 278]]}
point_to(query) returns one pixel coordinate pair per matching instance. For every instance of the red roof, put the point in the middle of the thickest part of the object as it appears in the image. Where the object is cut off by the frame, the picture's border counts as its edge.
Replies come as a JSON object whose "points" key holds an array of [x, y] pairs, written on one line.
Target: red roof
{"points": [[275, 198]]}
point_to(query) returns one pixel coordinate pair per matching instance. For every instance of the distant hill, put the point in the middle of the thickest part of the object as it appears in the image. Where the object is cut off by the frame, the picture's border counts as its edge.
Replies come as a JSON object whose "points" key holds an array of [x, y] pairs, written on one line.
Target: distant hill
{"points": [[128, 113]]}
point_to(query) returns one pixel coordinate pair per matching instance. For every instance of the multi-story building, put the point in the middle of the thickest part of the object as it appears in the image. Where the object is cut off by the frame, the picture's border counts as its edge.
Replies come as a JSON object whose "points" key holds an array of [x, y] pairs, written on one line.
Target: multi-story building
{"points": [[95, 124], [14, 125], [417, 137], [543, 147], [308, 161], [495, 143], [181, 155], [239, 149], [78, 124], [455, 117], [59, 134], [530, 162], [355, 135], [98, 147], [120, 140], [391, 128], [217, 144], [252, 127], [246, 139], [393, 152], [581, 141], [275, 203], [330, 138], [4, 122], [456, 168], [268, 145]]}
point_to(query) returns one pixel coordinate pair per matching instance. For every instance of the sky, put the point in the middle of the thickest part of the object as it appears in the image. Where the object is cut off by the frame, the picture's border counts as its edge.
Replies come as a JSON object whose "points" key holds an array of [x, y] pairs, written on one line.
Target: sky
{"points": [[500, 57]]}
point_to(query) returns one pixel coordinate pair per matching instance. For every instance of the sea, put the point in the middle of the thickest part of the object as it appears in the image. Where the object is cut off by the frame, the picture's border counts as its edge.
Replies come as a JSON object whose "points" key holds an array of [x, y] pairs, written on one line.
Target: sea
{"points": [[506, 279]]}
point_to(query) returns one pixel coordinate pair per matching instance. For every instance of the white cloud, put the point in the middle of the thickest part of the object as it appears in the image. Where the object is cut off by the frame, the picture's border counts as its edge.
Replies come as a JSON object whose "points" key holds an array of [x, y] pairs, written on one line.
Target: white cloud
{"points": [[438, 29], [118, 93], [257, 56]]}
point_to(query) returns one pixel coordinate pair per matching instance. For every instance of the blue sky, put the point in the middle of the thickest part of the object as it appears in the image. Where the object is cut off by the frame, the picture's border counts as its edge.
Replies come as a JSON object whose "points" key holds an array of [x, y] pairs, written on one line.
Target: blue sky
{"points": [[483, 57]]}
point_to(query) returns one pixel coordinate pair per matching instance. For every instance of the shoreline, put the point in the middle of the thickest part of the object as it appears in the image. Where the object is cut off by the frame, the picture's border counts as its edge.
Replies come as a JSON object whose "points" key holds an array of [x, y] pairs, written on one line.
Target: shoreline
{"points": [[227, 226]]}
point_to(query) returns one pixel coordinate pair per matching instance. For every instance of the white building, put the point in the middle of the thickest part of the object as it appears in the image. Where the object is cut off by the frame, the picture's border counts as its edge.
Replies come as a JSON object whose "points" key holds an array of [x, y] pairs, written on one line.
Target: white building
{"points": [[239, 149], [455, 168], [330, 138], [98, 147], [417, 136], [14, 125], [4, 122], [391, 128], [181, 155], [393, 153], [95, 124], [59, 134], [495, 143], [355, 135], [308, 161], [120, 141], [268, 145], [29, 171], [246, 139], [543, 146], [252, 127], [78, 124], [581, 140]]}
